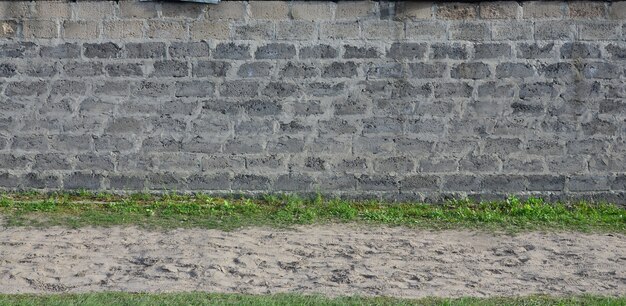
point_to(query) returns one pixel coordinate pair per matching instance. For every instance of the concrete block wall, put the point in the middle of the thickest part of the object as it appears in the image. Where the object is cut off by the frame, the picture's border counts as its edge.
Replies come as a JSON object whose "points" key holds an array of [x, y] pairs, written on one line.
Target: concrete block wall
{"points": [[403, 100]]}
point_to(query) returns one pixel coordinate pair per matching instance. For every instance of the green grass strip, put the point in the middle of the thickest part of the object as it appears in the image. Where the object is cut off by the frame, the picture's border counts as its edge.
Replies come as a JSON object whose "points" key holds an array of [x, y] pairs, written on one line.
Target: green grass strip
{"points": [[196, 298], [203, 211]]}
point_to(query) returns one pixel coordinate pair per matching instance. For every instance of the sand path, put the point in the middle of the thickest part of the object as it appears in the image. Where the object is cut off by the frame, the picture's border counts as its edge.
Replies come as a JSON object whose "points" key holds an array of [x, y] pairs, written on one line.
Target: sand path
{"points": [[332, 260]]}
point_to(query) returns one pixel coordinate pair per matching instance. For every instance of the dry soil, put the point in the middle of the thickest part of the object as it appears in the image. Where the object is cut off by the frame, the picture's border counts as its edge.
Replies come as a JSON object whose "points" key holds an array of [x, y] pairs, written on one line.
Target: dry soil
{"points": [[331, 259]]}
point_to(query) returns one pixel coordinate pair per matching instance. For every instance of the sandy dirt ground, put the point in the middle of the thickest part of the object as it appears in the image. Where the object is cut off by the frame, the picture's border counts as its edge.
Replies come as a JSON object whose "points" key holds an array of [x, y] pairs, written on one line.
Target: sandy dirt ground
{"points": [[331, 260]]}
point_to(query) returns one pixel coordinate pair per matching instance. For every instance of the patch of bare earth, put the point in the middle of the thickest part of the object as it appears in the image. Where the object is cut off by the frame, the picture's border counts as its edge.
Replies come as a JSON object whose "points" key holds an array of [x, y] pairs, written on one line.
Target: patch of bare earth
{"points": [[331, 260]]}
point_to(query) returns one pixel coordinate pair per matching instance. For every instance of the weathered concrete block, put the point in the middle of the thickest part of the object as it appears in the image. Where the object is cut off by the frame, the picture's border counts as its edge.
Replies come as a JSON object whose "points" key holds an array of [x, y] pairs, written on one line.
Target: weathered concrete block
{"points": [[113, 143], [619, 183], [286, 144], [558, 70], [320, 89], [456, 10], [202, 30], [518, 165], [94, 162], [587, 183], [382, 126], [165, 181], [461, 183], [189, 49], [255, 69], [250, 182], [112, 88], [312, 11], [504, 183], [7, 70], [213, 182], [597, 126], [40, 29], [151, 89], [423, 70], [88, 10], [145, 50], [488, 51], [183, 10], [512, 30], [80, 29], [532, 51], [617, 10], [470, 71], [82, 69], [298, 70], [124, 69], [51, 161], [166, 29], [451, 51], [119, 29], [210, 69], [274, 10], [340, 30], [406, 51], [555, 30], [134, 9], [124, 182], [499, 10], [480, 163], [351, 52], [280, 90], [354, 9], [293, 182], [79, 180], [599, 31], [25, 88], [232, 51], [536, 90], [514, 70], [414, 10], [350, 106], [194, 89], [495, 90], [14, 9], [383, 71], [580, 50], [470, 31], [382, 30], [171, 68], [428, 183], [377, 183], [102, 50], [544, 9], [587, 9], [426, 30], [296, 30], [239, 89], [403, 89], [8, 29], [425, 127], [340, 70], [226, 10], [318, 51], [66, 50], [275, 51], [452, 90], [438, 165]]}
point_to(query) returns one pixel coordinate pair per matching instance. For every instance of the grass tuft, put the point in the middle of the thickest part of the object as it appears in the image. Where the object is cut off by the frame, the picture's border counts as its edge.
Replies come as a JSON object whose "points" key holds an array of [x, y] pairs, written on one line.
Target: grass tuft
{"points": [[204, 211]]}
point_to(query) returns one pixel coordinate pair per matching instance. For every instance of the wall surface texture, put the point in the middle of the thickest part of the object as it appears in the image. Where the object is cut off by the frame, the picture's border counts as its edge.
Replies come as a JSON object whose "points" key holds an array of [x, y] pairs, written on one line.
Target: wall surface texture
{"points": [[406, 100]]}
